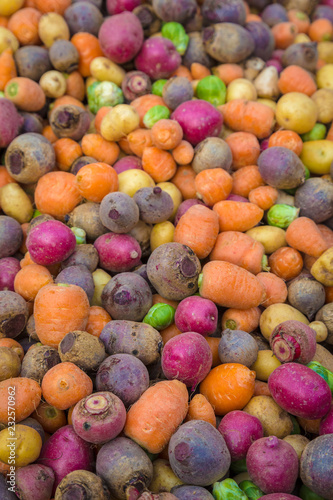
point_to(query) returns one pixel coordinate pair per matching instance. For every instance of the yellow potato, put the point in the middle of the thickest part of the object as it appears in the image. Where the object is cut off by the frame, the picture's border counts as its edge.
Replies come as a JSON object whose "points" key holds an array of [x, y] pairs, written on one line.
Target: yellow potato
{"points": [[271, 237], [325, 51], [274, 420], [317, 156], [132, 180], [321, 331], [19, 445], [240, 88], [161, 233], [298, 442], [265, 364], [8, 40], [52, 27], [296, 111], [163, 477], [322, 269], [101, 278], [302, 38], [276, 314], [8, 7], [325, 77], [103, 69], [16, 203], [53, 84], [119, 122], [324, 102], [175, 194], [271, 104]]}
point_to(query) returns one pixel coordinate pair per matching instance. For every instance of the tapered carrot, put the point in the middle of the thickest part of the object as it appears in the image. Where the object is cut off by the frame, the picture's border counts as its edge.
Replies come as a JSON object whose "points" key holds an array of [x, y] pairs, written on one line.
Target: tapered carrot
{"points": [[304, 235], [213, 343], [237, 216], [248, 116], [201, 409], [261, 388], [230, 286], [240, 249], [184, 179], [275, 289], [213, 185], [327, 234], [245, 180], [198, 228], [155, 416], [246, 320]]}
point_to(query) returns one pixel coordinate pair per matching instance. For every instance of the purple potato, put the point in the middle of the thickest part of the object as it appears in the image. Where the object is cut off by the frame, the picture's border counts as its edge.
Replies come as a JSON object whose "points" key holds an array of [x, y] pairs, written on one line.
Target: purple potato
{"points": [[264, 42], [118, 252], [315, 199], [124, 375], [127, 296], [223, 11], [179, 11], [158, 58], [119, 212], [177, 90], [316, 466], [9, 267], [228, 42], [127, 163], [274, 14], [14, 314], [78, 275], [281, 168], [83, 16], [10, 122], [135, 84]]}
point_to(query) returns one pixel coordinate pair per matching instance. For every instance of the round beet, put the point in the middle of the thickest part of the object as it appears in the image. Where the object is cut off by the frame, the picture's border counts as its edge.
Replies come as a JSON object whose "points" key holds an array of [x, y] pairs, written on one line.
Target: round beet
{"points": [[326, 423], [158, 58], [117, 252], [274, 14], [199, 120], [195, 314], [187, 358], [135, 84], [119, 212], [317, 464], [281, 168], [9, 267], [223, 11], [34, 481], [180, 11], [50, 242], [293, 341], [177, 90], [240, 430], [10, 122], [187, 492], [78, 275], [121, 37], [263, 39], [315, 199], [127, 163], [14, 314], [83, 16], [118, 6], [184, 206], [11, 236], [155, 205]]}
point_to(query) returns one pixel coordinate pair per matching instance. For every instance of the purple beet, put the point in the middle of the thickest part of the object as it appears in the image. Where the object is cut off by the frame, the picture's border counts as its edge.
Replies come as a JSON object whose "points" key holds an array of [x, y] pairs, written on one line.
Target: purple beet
{"points": [[184, 206], [281, 168], [11, 235], [223, 11], [263, 39], [158, 58], [323, 12], [34, 481], [121, 37], [50, 242], [78, 275], [180, 11], [118, 6], [10, 122], [316, 466], [196, 314], [199, 119], [9, 267], [83, 16], [118, 252], [127, 163], [135, 84], [274, 14], [237, 197]]}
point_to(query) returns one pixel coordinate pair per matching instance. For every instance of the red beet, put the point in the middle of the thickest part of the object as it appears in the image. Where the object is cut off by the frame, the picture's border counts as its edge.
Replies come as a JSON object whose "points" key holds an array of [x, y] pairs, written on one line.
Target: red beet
{"points": [[118, 252], [50, 242], [240, 430], [158, 58], [9, 267], [195, 314], [119, 6], [326, 424], [293, 341]]}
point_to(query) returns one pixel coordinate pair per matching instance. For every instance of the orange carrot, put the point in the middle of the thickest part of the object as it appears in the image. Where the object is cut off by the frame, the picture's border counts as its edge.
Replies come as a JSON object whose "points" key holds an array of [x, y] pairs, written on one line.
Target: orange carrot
{"points": [[286, 262], [102, 150], [159, 164], [198, 228], [328, 294], [183, 153], [264, 196], [245, 180], [26, 94], [200, 409], [228, 72], [327, 234], [213, 185], [246, 320], [300, 19], [261, 388], [245, 149], [183, 72], [275, 289], [184, 180], [287, 139], [7, 68], [169, 332], [30, 279], [304, 235], [237, 216], [248, 116], [155, 416], [296, 79], [97, 319], [284, 34], [213, 343], [230, 286], [167, 134], [140, 139], [144, 103], [158, 299], [199, 71], [239, 249]]}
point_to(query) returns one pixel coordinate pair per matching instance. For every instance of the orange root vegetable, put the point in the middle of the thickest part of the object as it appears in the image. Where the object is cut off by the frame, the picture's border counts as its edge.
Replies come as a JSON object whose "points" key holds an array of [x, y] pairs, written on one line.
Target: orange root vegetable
{"points": [[248, 116], [238, 319], [213, 185], [304, 235], [200, 409], [156, 415], [275, 289], [237, 216]]}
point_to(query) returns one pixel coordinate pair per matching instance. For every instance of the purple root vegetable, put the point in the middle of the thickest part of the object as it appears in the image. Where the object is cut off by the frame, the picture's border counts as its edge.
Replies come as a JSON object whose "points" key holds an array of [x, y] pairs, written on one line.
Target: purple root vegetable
{"points": [[195, 51], [199, 120], [237, 197], [300, 391], [150, 23], [117, 252], [213, 152], [34, 481], [274, 14], [240, 430], [135, 84], [322, 12], [50, 242], [32, 61], [280, 496], [315, 199], [81, 162], [316, 466], [121, 37], [69, 121], [135, 473], [195, 314], [118, 6], [272, 465], [10, 122], [127, 296], [198, 454], [228, 42], [98, 418], [155, 205], [188, 492], [158, 58], [278, 66], [281, 168], [236, 346], [9, 267], [119, 212], [78, 275], [301, 54], [81, 484], [184, 206], [142, 271], [32, 122], [125, 376], [11, 235], [293, 341], [264, 42], [180, 11], [177, 90], [127, 163], [306, 294], [39, 360], [83, 255], [130, 337], [83, 16], [326, 423], [65, 452], [223, 11], [187, 358], [14, 314]]}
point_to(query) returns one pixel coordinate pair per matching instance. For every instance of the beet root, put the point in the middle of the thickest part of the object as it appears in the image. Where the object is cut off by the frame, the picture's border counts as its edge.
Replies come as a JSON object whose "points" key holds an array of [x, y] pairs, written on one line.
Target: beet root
{"points": [[317, 464], [293, 341], [80, 484], [34, 481]]}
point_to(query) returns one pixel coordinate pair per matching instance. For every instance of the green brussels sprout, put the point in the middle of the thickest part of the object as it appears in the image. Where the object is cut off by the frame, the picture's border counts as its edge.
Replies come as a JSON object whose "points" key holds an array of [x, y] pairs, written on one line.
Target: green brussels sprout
{"points": [[251, 490], [316, 134], [212, 89], [160, 316], [228, 490], [306, 494], [103, 94], [238, 466], [80, 235], [177, 34], [155, 114], [282, 215], [157, 87], [326, 374]]}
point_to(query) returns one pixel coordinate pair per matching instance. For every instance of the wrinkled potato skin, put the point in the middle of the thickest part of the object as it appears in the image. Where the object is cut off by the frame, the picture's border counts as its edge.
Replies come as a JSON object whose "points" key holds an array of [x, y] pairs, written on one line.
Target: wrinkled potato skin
{"points": [[275, 421]]}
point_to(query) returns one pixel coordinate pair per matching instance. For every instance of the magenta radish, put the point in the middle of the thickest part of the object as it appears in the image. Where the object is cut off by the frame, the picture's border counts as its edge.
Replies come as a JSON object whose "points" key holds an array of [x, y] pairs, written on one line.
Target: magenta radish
{"points": [[158, 58], [326, 423], [34, 481], [279, 496], [127, 163], [272, 465], [98, 418], [117, 252], [293, 341], [240, 430], [300, 391], [187, 358], [9, 267], [50, 242], [195, 314], [119, 6]]}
